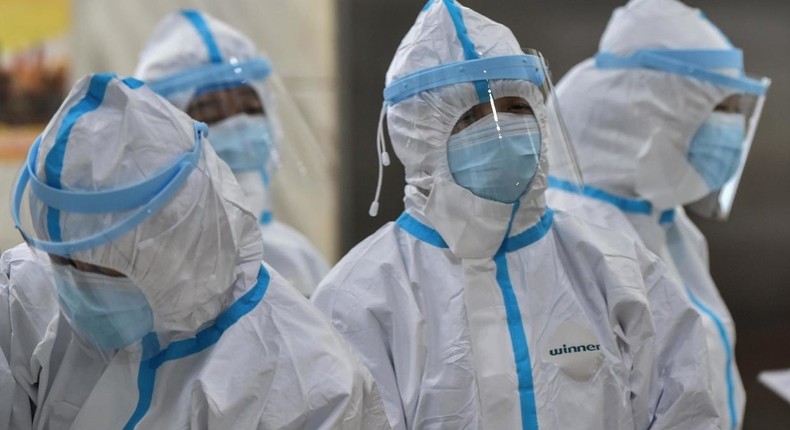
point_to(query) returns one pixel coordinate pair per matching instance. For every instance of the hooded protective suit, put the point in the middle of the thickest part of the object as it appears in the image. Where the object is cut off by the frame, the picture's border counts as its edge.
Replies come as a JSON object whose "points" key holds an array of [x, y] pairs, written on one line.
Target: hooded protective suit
{"points": [[632, 129], [189, 51], [476, 314], [232, 345]]}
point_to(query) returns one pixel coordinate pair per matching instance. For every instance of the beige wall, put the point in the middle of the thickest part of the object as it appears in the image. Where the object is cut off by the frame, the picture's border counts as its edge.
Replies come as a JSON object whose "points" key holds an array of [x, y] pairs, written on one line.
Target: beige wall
{"points": [[298, 36]]}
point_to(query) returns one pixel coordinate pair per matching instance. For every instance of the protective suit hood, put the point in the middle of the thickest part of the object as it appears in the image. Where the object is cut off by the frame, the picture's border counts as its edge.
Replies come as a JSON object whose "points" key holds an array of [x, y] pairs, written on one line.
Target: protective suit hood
{"points": [[632, 127], [420, 126], [187, 257], [189, 50]]}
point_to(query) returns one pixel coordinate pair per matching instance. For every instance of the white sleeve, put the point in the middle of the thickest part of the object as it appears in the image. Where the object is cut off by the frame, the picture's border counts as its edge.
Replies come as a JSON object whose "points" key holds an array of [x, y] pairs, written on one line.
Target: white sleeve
{"points": [[680, 397]]}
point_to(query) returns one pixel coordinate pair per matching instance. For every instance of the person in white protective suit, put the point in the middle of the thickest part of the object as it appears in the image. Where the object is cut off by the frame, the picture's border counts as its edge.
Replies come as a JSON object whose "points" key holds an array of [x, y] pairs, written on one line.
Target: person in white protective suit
{"points": [[167, 316], [482, 308], [663, 116], [215, 74]]}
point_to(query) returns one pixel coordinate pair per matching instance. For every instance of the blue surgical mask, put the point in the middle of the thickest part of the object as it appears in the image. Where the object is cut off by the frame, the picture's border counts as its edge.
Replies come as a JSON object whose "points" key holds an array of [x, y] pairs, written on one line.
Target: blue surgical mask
{"points": [[109, 312], [496, 160], [717, 147], [243, 141]]}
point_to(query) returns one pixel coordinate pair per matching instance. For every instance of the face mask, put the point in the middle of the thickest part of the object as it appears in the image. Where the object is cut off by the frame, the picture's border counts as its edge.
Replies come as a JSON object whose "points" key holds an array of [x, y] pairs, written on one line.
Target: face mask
{"points": [[496, 160], [109, 312], [243, 141], [716, 148]]}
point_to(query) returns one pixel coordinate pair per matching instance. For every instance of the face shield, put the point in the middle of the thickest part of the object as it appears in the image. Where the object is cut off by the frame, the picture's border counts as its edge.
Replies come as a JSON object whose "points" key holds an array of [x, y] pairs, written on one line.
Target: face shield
{"points": [[229, 97], [721, 146], [500, 123], [258, 130]]}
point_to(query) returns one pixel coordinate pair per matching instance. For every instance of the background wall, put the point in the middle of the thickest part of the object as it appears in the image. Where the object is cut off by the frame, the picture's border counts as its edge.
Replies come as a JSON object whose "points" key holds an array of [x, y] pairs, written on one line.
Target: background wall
{"points": [[749, 253]]}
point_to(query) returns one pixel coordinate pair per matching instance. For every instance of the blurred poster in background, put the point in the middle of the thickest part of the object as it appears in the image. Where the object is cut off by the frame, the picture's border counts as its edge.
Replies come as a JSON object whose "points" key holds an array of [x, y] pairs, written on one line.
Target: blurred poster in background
{"points": [[34, 62]]}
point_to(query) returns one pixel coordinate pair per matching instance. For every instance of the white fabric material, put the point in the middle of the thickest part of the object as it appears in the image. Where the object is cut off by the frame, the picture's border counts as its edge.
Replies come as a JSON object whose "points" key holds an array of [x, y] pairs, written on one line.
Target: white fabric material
{"points": [[632, 130], [284, 248], [28, 303], [431, 322], [281, 365]]}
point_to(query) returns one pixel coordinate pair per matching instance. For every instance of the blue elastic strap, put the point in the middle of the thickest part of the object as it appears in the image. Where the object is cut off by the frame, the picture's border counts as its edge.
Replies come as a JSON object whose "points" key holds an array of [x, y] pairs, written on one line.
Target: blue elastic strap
{"points": [[676, 62], [518, 337], [636, 206], [201, 26], [514, 67], [185, 165], [421, 231], [468, 46], [53, 165], [725, 339], [146, 378], [115, 200], [212, 74]]}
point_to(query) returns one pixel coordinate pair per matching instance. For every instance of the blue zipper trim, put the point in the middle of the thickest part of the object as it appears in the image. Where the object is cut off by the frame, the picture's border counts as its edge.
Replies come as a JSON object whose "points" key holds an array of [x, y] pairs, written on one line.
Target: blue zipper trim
{"points": [[532, 234], [515, 326], [146, 378], [468, 46], [625, 204], [637, 206]]}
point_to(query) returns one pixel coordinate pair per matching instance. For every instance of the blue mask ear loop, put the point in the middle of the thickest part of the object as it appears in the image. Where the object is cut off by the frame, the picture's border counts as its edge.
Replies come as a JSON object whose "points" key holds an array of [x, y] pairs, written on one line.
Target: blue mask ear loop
{"points": [[384, 160]]}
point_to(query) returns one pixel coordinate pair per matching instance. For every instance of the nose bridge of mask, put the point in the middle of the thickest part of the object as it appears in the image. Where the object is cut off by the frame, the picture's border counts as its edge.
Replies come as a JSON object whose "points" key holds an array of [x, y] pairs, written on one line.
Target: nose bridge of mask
{"points": [[497, 157]]}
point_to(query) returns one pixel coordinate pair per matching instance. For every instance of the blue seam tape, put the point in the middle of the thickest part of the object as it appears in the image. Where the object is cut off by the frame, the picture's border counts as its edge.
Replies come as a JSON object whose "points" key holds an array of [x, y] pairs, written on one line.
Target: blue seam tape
{"points": [[421, 231], [201, 26], [53, 165], [146, 378], [725, 339]]}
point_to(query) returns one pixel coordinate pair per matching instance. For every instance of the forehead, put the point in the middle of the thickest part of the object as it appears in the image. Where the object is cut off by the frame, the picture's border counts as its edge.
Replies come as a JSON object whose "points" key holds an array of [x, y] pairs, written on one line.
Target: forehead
{"points": [[226, 92]]}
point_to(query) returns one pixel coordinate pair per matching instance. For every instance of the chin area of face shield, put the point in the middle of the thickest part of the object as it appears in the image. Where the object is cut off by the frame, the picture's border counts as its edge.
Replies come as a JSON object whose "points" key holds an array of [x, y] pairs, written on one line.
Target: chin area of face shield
{"points": [[496, 146], [723, 68]]}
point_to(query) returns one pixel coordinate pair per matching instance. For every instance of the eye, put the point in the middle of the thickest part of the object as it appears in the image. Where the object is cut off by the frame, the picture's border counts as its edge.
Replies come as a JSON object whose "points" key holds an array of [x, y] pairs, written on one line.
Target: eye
{"points": [[520, 108]]}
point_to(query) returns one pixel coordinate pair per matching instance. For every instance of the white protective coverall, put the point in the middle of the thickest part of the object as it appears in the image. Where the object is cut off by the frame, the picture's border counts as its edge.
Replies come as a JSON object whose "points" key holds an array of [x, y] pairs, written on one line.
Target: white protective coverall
{"points": [[470, 313], [632, 129], [186, 50], [232, 344]]}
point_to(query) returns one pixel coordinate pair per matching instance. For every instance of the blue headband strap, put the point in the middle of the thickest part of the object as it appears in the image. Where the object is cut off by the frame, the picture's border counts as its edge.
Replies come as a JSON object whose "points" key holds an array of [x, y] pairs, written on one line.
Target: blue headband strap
{"points": [[696, 64], [513, 67], [157, 191], [211, 74]]}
